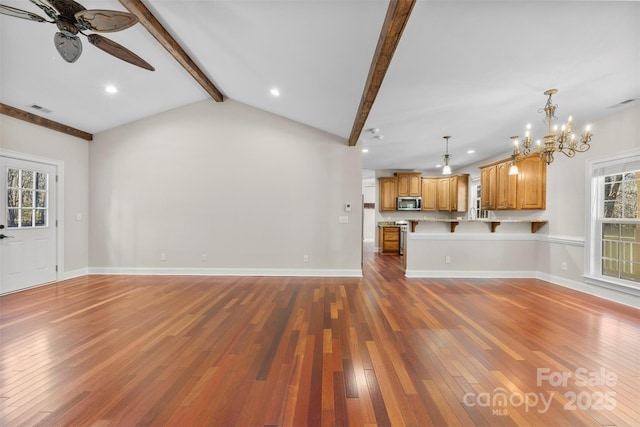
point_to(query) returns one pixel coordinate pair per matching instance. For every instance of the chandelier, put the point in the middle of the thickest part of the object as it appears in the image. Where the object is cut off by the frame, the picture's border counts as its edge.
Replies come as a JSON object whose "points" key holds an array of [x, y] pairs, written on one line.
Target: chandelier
{"points": [[446, 169], [555, 141]]}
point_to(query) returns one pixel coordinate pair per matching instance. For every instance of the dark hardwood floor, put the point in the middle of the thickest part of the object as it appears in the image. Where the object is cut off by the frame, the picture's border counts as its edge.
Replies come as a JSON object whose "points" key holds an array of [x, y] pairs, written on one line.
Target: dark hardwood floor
{"points": [[289, 351]]}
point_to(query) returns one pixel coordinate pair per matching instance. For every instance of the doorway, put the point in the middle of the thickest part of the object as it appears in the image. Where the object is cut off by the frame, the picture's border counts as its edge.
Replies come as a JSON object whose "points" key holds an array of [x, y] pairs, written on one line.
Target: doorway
{"points": [[28, 224]]}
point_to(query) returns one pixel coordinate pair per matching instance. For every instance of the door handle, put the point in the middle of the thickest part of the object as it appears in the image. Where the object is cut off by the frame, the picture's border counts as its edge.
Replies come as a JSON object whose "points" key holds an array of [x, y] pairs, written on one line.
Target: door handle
{"points": [[2, 236]]}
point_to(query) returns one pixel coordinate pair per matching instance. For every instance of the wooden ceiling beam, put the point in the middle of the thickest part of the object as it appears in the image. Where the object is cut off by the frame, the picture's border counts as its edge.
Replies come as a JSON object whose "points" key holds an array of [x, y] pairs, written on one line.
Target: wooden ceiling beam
{"points": [[394, 23], [16, 113], [157, 30]]}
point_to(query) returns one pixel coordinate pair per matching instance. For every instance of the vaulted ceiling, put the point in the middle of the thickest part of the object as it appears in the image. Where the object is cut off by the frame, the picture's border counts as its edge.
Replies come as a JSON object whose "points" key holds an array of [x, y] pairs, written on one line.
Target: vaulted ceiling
{"points": [[475, 70]]}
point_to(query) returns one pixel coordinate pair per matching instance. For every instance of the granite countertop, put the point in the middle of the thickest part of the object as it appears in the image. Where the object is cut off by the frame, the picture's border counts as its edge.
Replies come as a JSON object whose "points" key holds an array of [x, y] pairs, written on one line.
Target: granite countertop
{"points": [[475, 220], [393, 223]]}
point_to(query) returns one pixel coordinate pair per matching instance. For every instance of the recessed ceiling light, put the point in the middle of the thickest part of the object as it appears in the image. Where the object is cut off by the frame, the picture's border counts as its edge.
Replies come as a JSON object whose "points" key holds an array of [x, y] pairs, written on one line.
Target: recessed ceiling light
{"points": [[111, 89], [364, 150], [438, 166], [275, 92], [471, 151]]}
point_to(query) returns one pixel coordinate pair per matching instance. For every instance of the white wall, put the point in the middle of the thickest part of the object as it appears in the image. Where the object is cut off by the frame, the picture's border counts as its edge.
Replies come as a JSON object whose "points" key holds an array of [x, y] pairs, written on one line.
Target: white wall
{"points": [[253, 191], [22, 137]]}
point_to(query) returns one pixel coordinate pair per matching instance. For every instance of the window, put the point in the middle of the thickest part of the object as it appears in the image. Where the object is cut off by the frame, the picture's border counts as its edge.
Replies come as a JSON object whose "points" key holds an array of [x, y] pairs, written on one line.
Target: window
{"points": [[476, 211], [27, 198], [614, 242]]}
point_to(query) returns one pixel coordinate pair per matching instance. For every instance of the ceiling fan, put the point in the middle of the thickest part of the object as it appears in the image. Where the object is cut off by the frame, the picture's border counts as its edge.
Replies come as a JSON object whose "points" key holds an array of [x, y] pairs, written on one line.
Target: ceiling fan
{"points": [[72, 19]]}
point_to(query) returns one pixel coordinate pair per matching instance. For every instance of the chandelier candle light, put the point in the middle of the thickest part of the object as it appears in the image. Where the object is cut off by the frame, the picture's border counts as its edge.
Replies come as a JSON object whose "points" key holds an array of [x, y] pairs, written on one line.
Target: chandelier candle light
{"points": [[563, 140]]}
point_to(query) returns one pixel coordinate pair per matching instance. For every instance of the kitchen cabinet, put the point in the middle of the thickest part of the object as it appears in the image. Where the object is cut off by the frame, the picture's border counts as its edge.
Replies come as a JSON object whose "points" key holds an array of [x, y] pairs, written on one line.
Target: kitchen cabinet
{"points": [[444, 194], [453, 192], [409, 184], [527, 190], [488, 190], [429, 194], [532, 183], [387, 193], [506, 185], [390, 238]]}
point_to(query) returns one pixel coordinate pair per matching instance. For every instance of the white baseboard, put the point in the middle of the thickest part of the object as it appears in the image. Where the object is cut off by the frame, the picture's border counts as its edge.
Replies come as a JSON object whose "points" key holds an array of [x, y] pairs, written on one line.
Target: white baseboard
{"points": [[66, 275], [477, 274], [272, 272], [621, 296]]}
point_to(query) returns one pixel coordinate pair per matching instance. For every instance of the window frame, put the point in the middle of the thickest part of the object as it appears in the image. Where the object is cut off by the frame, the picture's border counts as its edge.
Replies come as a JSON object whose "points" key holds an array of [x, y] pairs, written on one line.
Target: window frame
{"points": [[594, 184]]}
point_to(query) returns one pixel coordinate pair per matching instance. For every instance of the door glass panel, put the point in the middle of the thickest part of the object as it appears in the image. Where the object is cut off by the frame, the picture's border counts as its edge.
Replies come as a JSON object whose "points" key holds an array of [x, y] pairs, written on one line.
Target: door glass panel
{"points": [[12, 178], [41, 181], [27, 179], [13, 199], [26, 217], [12, 218], [25, 191], [27, 199], [41, 218], [41, 199]]}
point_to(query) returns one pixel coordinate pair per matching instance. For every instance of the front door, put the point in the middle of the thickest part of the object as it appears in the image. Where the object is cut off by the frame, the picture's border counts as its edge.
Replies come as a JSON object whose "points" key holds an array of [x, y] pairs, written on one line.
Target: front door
{"points": [[27, 224]]}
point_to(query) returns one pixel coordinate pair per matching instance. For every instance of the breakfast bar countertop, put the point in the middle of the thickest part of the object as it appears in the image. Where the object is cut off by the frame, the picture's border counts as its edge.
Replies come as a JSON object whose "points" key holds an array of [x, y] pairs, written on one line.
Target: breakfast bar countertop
{"points": [[494, 223]]}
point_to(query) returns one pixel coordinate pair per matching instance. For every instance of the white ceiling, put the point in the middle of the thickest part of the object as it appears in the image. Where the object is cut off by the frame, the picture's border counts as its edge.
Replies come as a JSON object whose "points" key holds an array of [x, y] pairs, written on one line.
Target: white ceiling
{"points": [[475, 70]]}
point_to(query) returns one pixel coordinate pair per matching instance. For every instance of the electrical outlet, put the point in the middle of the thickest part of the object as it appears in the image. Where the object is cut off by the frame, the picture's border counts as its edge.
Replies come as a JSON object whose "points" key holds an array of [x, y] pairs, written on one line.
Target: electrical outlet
{"points": [[163, 256], [447, 259], [305, 258], [564, 266], [204, 257], [343, 219]]}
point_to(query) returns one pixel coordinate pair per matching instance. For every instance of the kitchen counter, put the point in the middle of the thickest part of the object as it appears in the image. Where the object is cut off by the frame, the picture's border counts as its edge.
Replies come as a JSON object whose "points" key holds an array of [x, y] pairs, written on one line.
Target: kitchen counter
{"points": [[493, 223]]}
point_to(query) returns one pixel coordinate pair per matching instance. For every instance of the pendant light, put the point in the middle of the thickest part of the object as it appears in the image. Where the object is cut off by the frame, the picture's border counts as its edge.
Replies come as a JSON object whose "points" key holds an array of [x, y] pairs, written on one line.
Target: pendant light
{"points": [[446, 169]]}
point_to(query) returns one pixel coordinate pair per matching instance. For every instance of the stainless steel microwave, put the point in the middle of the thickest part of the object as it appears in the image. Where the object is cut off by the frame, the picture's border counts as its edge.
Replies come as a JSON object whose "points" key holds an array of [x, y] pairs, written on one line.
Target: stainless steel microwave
{"points": [[409, 203]]}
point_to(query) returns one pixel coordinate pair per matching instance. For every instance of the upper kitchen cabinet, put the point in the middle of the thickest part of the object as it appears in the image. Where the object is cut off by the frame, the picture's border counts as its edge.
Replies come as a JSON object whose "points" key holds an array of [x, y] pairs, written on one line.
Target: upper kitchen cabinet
{"points": [[488, 188], [506, 185], [532, 183], [387, 193], [453, 193], [409, 184], [429, 194], [527, 190]]}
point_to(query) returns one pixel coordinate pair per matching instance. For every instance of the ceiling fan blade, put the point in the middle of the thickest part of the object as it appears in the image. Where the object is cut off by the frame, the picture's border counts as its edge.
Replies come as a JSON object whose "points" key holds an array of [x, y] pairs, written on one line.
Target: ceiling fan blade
{"points": [[106, 21], [19, 13], [68, 46], [50, 11], [118, 51]]}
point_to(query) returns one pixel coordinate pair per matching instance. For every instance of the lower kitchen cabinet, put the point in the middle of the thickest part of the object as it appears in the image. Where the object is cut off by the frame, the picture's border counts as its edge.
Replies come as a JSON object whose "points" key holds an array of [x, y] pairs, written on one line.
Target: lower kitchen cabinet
{"points": [[390, 240]]}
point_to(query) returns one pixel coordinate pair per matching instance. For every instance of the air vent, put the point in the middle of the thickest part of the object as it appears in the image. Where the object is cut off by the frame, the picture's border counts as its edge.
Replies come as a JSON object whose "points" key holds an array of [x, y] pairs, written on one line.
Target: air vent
{"points": [[39, 108]]}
